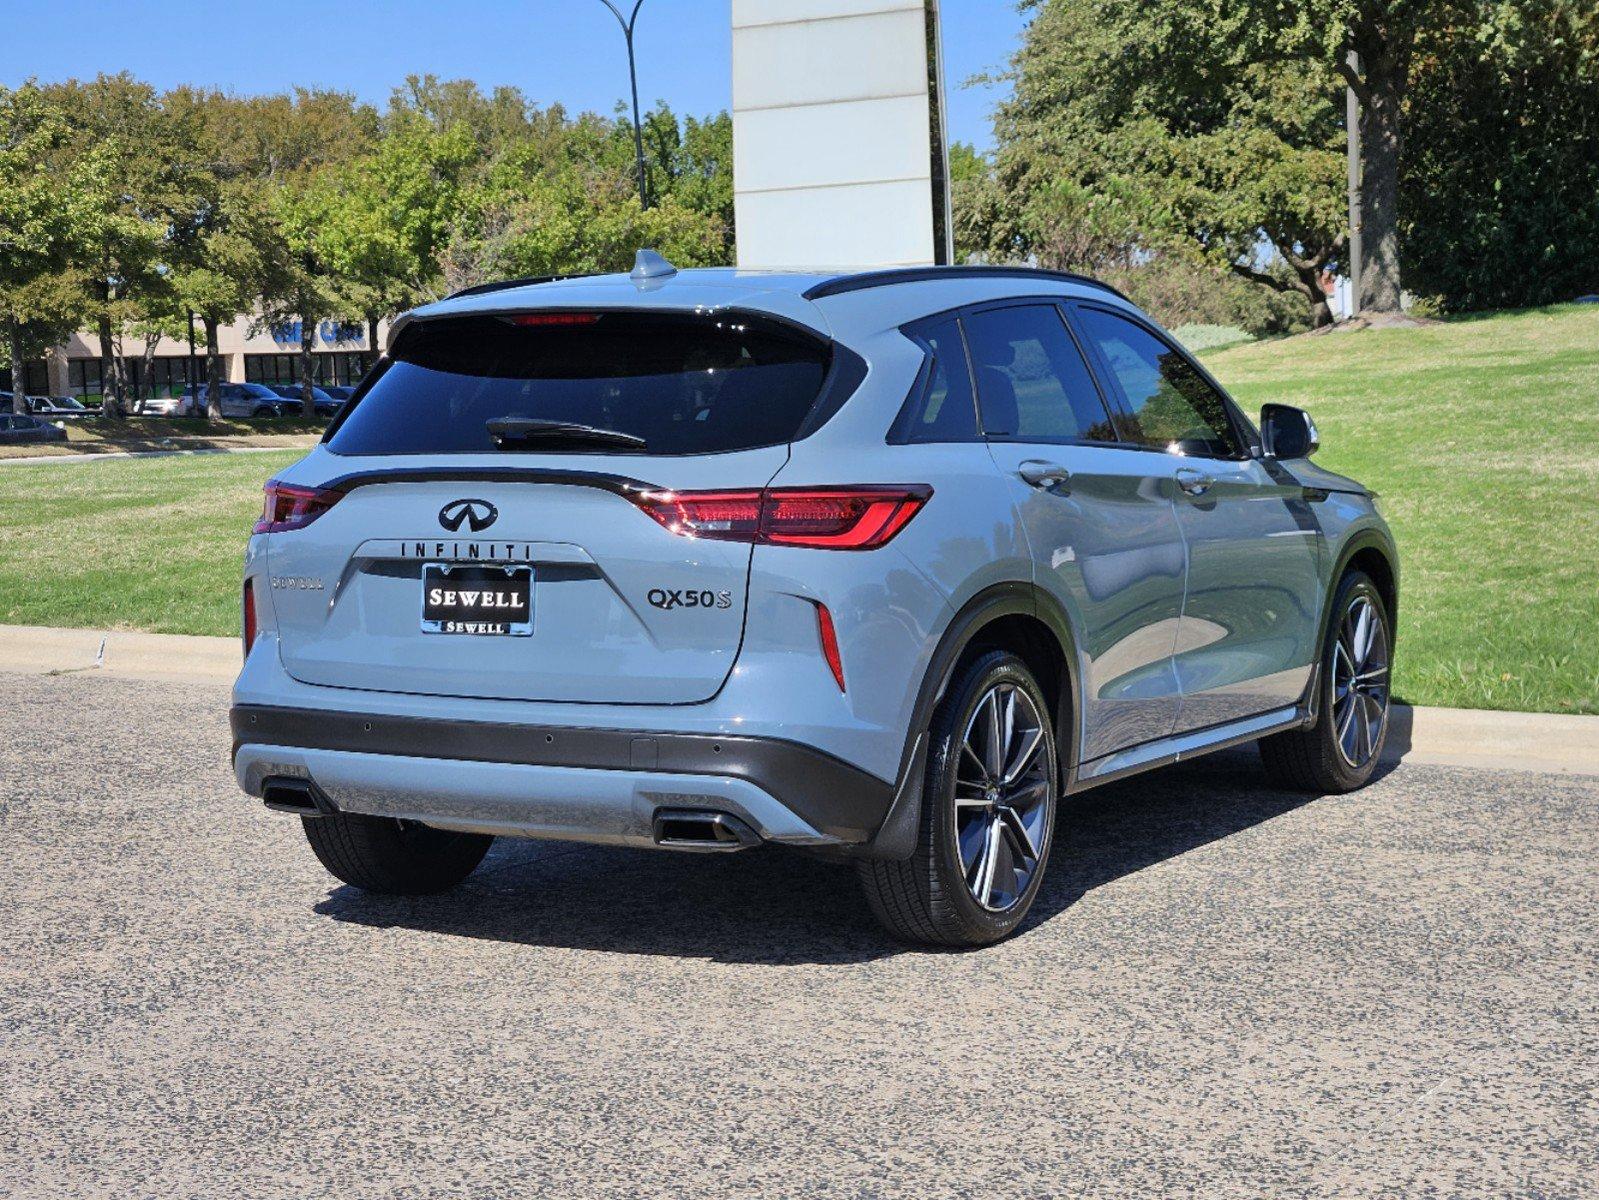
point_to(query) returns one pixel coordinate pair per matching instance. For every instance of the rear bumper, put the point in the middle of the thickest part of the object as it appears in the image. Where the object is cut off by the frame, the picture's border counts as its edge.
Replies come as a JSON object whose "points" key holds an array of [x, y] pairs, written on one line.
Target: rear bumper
{"points": [[599, 785]]}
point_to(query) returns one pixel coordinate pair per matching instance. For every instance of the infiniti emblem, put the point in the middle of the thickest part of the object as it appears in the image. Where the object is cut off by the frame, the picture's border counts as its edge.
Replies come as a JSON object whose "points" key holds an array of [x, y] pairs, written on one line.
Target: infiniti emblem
{"points": [[478, 515]]}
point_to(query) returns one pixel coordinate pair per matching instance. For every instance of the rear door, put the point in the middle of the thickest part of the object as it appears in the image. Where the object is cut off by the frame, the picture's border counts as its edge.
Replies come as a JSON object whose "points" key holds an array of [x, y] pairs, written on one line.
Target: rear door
{"points": [[1247, 638], [1099, 517], [621, 607]]}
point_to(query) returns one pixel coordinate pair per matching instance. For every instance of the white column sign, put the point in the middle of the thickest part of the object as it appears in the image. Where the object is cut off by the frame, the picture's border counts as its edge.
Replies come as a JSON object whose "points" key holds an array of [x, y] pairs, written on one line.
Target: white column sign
{"points": [[838, 151]]}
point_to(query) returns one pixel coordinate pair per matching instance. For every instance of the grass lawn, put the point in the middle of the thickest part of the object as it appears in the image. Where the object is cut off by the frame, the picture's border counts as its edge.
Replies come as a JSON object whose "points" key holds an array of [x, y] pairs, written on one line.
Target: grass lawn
{"points": [[1481, 434], [153, 543], [91, 435]]}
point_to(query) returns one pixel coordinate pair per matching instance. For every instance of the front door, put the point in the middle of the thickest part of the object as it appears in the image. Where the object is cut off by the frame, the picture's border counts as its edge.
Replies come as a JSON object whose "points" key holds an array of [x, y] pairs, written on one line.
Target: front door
{"points": [[1100, 519], [1248, 633]]}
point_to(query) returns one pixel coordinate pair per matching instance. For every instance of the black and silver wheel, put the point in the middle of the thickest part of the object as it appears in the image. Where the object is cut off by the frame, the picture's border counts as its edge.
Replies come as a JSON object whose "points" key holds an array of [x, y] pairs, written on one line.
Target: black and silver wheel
{"points": [[1339, 752], [381, 854], [1360, 681], [988, 813]]}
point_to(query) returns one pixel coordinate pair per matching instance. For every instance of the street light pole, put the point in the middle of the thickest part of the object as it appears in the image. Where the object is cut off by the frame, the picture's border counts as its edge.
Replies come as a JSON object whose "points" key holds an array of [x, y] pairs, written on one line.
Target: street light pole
{"points": [[627, 24], [1352, 129]]}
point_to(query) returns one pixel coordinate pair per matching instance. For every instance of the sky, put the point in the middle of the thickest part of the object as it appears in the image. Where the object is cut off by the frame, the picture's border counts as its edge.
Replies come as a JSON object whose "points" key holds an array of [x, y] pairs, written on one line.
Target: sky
{"points": [[569, 51]]}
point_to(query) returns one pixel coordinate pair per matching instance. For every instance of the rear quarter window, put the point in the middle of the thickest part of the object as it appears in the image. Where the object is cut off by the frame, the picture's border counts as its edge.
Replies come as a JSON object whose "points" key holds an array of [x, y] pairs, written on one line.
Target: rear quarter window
{"points": [[686, 384]]}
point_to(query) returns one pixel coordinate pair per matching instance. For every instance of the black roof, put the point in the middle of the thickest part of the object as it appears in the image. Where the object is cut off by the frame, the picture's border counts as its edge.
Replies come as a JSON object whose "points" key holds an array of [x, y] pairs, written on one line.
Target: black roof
{"points": [[501, 284], [872, 279]]}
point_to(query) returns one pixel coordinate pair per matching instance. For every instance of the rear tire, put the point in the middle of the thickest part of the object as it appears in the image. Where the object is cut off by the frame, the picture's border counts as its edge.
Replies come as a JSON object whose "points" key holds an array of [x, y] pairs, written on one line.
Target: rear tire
{"points": [[1341, 750], [987, 817], [403, 858]]}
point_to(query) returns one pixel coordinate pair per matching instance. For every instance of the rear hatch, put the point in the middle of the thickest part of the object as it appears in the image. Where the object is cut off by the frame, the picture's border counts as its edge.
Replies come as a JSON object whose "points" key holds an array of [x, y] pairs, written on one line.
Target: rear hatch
{"points": [[482, 514]]}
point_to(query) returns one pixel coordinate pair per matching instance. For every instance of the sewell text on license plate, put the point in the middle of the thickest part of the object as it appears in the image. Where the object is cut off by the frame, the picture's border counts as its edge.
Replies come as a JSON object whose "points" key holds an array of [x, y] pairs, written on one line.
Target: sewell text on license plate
{"points": [[477, 598]]}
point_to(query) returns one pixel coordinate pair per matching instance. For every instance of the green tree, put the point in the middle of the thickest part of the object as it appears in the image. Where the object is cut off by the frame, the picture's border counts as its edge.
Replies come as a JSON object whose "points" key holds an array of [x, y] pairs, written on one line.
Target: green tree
{"points": [[689, 161], [1515, 220], [306, 289], [1137, 130], [383, 220], [41, 222], [233, 255], [135, 179]]}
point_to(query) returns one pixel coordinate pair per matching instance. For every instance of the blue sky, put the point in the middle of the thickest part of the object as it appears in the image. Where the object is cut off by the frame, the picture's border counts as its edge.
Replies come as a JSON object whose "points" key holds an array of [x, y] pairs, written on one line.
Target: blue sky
{"points": [[555, 50]]}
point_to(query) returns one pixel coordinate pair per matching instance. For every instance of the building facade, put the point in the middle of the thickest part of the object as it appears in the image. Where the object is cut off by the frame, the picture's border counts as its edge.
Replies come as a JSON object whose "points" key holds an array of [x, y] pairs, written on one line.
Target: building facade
{"points": [[251, 350]]}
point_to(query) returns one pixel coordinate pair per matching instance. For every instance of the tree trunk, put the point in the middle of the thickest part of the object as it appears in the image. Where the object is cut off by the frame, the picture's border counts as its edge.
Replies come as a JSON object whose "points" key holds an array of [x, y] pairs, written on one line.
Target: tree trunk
{"points": [[307, 365], [1306, 281], [1309, 286], [1320, 311], [111, 391], [19, 370], [373, 348], [1385, 63], [213, 372], [148, 359]]}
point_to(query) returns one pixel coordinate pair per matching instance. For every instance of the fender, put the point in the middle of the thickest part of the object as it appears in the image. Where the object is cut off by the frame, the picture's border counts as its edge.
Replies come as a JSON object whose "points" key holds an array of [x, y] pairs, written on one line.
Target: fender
{"points": [[896, 837], [1369, 537]]}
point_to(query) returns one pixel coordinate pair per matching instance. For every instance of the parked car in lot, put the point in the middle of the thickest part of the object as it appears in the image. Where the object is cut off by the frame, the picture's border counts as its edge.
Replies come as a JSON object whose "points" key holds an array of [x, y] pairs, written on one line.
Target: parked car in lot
{"points": [[881, 565], [325, 404], [156, 406], [238, 400], [340, 394], [69, 407], [19, 428]]}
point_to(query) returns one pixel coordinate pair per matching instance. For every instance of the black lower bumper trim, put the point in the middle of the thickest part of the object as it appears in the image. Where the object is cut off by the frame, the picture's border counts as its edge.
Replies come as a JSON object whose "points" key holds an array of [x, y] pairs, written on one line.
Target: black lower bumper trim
{"points": [[834, 797]]}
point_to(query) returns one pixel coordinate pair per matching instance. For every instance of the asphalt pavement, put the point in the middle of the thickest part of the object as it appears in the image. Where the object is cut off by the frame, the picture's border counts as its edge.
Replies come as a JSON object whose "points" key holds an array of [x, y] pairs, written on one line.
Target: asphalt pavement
{"points": [[1224, 990]]}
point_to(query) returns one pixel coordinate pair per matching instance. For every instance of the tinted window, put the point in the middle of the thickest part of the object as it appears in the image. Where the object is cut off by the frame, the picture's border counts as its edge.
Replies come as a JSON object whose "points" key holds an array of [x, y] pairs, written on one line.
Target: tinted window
{"points": [[685, 384], [1171, 407], [1032, 382], [943, 411]]}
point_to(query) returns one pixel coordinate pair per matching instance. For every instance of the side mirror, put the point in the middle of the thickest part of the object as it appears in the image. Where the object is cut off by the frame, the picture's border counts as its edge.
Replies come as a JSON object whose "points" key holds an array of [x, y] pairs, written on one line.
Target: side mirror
{"points": [[1287, 432]]}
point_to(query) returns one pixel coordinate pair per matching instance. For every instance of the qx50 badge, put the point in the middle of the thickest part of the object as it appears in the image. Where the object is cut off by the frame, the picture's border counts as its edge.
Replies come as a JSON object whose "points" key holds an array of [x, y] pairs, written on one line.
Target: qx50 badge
{"points": [[477, 514], [670, 598]]}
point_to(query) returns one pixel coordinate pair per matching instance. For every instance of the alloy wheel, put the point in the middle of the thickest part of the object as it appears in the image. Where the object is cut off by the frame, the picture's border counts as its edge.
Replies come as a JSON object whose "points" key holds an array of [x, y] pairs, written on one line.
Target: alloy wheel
{"points": [[1360, 682], [1004, 787]]}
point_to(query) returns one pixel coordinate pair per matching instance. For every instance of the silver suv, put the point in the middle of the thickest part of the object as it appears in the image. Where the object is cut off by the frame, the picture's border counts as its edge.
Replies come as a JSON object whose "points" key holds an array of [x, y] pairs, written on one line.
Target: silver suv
{"points": [[254, 400], [878, 565]]}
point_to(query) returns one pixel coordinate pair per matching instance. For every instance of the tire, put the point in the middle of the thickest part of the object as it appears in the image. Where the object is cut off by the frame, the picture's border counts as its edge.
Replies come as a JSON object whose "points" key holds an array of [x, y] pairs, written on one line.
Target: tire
{"points": [[402, 858], [933, 897], [1319, 759]]}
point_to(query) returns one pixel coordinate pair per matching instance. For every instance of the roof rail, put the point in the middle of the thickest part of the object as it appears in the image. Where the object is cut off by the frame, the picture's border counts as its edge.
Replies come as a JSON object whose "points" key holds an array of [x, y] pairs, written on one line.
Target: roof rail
{"points": [[872, 279]]}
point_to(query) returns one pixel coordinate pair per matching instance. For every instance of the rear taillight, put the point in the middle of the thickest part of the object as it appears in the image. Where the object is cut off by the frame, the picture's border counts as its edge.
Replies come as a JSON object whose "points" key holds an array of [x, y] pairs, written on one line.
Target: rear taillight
{"points": [[721, 516], [289, 507], [249, 617], [823, 518]]}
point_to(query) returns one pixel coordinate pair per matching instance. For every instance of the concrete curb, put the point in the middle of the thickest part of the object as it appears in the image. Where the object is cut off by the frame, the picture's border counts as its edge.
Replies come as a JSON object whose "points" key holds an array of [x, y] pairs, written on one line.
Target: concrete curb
{"points": [[42, 650], [1504, 741]]}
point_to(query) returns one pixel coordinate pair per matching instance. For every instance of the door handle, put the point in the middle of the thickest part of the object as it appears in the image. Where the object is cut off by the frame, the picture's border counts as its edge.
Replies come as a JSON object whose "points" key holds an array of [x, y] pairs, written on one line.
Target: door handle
{"points": [[1046, 475], [1195, 483]]}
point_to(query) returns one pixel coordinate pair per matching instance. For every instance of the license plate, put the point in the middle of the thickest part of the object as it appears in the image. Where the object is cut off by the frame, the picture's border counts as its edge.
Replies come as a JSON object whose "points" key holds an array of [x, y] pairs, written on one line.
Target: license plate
{"points": [[473, 598]]}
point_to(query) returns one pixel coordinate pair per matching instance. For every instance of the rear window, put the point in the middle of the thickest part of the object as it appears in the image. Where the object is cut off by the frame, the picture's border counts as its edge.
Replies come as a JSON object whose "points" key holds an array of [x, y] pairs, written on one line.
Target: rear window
{"points": [[684, 384]]}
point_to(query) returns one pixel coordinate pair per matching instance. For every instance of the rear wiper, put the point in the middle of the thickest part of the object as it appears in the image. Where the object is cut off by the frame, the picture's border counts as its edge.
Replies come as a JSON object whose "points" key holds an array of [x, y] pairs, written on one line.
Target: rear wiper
{"points": [[510, 433]]}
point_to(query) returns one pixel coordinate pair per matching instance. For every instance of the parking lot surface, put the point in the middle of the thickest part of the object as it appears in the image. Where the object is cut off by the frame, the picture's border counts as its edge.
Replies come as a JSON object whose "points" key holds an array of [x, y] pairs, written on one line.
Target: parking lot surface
{"points": [[1224, 990]]}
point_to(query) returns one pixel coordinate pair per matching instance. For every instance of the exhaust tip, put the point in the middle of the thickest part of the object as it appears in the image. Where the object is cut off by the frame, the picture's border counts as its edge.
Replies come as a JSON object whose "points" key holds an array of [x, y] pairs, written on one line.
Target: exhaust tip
{"points": [[286, 793], [703, 830]]}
